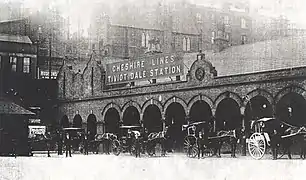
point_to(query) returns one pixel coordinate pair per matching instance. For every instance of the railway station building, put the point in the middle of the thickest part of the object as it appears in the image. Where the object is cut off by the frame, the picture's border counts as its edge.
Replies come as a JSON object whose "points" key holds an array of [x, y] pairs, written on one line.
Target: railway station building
{"points": [[235, 85]]}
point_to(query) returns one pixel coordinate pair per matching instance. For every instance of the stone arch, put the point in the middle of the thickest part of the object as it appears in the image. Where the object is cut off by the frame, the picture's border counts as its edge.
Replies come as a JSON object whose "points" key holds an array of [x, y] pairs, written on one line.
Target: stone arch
{"points": [[64, 122], [109, 106], [91, 126], [228, 94], [200, 97], [77, 121], [131, 103], [258, 92], [148, 103], [177, 100], [289, 89]]}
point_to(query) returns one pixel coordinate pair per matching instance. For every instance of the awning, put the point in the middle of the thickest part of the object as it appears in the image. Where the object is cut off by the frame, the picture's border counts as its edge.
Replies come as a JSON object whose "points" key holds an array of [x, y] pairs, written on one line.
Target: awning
{"points": [[8, 107]]}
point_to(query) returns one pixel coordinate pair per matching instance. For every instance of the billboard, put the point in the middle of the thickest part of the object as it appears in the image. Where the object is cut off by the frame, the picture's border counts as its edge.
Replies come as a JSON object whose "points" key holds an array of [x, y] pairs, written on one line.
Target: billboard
{"points": [[149, 67]]}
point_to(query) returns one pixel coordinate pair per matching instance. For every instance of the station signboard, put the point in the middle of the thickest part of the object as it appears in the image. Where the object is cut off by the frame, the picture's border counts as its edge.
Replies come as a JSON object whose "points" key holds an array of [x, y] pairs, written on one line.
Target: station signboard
{"points": [[145, 68]]}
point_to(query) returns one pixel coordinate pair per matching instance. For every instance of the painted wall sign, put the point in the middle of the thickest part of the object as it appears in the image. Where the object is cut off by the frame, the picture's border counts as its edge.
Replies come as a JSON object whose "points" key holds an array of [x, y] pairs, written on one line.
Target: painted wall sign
{"points": [[149, 67]]}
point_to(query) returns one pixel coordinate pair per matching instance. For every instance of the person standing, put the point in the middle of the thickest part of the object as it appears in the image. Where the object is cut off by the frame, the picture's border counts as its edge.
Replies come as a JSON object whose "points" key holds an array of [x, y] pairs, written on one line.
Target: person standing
{"points": [[86, 144], [59, 143], [68, 145]]}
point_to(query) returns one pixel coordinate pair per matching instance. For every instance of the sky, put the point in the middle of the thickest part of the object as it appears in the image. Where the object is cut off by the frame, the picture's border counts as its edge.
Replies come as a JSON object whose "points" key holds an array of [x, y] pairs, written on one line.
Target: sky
{"points": [[80, 10]]}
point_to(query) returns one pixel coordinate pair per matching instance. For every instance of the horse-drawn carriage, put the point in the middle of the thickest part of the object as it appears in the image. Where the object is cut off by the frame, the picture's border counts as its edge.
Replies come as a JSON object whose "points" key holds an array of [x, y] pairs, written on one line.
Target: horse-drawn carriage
{"points": [[155, 144], [127, 142], [201, 137], [270, 132], [107, 140], [76, 136]]}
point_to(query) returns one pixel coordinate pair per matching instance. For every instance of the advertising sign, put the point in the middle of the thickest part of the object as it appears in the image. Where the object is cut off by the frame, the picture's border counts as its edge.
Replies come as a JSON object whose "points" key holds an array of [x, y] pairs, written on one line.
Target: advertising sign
{"points": [[33, 130], [149, 67]]}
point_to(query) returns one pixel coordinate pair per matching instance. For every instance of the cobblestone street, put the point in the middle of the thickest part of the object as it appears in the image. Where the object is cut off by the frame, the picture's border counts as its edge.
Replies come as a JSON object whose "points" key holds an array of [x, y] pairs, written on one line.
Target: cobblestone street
{"points": [[174, 166]]}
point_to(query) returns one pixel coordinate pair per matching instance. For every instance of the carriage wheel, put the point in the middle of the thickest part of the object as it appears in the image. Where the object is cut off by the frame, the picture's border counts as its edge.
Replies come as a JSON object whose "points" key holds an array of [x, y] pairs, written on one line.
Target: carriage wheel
{"points": [[208, 152], [116, 147], [190, 147], [257, 146]]}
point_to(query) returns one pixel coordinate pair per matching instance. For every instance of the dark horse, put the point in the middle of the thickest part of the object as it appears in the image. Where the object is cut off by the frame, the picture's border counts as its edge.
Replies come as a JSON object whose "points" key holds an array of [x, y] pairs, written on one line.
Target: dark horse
{"points": [[298, 136], [210, 140]]}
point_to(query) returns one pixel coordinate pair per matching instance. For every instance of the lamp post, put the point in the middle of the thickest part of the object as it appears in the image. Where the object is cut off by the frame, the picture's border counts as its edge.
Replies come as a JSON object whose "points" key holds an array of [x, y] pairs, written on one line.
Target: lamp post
{"points": [[50, 50]]}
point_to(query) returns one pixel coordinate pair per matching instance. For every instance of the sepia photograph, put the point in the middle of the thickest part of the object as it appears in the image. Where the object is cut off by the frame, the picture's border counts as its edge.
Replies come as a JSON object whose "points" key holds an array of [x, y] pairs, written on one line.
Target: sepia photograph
{"points": [[152, 89]]}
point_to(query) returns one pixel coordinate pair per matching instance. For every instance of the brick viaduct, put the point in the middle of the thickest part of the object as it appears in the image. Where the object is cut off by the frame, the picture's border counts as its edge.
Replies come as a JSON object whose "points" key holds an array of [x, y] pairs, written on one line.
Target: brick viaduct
{"points": [[83, 97]]}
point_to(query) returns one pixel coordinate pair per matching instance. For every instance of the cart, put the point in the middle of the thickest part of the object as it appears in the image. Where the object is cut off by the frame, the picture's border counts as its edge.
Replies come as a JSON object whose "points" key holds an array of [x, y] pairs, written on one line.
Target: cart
{"points": [[260, 140]]}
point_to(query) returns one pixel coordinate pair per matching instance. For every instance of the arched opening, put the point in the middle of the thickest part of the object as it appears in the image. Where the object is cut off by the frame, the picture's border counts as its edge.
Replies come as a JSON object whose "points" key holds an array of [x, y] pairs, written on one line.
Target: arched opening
{"points": [[200, 111], [64, 122], [291, 109], [228, 115], [131, 116], [91, 126], [152, 119], [112, 120], [77, 121], [175, 118], [258, 107]]}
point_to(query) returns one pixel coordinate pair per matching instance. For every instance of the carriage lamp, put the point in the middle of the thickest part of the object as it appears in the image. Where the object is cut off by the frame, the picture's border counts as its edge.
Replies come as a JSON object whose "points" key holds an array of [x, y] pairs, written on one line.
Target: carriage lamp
{"points": [[264, 106]]}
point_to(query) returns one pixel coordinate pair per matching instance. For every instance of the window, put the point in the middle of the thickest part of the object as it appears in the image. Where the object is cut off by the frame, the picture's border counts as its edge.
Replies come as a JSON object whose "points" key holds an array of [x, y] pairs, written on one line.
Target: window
{"points": [[220, 34], [212, 17], [93, 46], [143, 40], [0, 62], [243, 23], [213, 37], [147, 39], [199, 17], [186, 44], [227, 36], [26, 65], [13, 63], [243, 39], [226, 20]]}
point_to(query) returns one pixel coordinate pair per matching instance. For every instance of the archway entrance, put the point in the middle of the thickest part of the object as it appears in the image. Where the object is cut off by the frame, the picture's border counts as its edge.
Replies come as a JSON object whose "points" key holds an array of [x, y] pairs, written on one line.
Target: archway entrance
{"points": [[112, 121], [152, 119], [91, 126], [200, 111], [64, 122], [292, 109], [77, 121], [175, 118], [228, 115], [131, 116], [258, 107]]}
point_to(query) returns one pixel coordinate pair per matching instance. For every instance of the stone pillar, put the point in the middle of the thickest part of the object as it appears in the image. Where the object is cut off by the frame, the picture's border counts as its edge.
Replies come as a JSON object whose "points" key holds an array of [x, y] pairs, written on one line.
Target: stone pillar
{"points": [[84, 126], [213, 111], [243, 131], [163, 119]]}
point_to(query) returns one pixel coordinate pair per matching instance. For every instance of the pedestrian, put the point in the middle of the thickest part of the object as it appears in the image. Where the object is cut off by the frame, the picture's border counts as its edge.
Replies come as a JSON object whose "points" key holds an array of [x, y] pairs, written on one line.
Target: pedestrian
{"points": [[48, 141], [86, 144], [68, 145], [59, 143]]}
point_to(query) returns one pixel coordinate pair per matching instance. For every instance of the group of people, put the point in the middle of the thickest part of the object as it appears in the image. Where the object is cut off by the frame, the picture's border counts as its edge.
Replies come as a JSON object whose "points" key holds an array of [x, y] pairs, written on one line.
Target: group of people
{"points": [[66, 140]]}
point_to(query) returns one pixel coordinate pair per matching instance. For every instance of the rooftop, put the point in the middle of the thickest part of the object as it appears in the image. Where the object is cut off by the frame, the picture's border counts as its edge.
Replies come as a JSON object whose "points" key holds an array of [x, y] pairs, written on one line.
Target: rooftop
{"points": [[15, 38], [284, 53]]}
